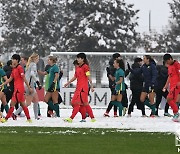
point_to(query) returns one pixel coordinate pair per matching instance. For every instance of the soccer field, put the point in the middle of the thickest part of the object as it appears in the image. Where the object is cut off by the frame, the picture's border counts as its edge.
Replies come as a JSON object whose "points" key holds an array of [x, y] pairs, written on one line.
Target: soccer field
{"points": [[29, 140], [111, 135]]}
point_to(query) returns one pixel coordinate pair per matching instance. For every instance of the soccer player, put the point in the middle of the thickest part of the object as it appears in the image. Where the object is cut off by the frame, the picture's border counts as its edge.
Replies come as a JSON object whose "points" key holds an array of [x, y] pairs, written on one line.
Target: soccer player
{"points": [[32, 78], [51, 97], [136, 85], [149, 71], [82, 108], [9, 90], [82, 74], [110, 74], [161, 80], [117, 96], [173, 82], [18, 95], [3, 78]]}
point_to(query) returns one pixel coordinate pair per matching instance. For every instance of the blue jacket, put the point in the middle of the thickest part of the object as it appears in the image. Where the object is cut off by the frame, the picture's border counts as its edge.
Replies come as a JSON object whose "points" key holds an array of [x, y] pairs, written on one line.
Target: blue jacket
{"points": [[149, 73]]}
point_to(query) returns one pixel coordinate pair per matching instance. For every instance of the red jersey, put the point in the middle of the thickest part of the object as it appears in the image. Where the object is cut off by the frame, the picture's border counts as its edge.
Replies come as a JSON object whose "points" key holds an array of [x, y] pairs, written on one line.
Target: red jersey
{"points": [[18, 74], [174, 74], [81, 74]]}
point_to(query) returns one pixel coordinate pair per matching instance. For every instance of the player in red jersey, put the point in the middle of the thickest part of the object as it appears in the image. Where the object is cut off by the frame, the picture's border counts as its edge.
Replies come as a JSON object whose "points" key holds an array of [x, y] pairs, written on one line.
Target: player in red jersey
{"points": [[82, 74], [18, 94], [173, 82]]}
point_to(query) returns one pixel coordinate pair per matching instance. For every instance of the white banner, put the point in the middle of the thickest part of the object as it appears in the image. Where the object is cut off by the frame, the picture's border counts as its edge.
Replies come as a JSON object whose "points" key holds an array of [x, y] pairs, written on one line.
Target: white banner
{"points": [[100, 97]]}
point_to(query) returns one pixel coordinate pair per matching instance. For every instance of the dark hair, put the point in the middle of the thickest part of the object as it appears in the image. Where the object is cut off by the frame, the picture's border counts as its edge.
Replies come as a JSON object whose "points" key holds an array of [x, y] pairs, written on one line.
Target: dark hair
{"points": [[25, 57], [116, 55], [16, 57], [9, 62], [138, 59], [121, 64], [166, 57], [82, 56], [150, 58], [75, 62]]}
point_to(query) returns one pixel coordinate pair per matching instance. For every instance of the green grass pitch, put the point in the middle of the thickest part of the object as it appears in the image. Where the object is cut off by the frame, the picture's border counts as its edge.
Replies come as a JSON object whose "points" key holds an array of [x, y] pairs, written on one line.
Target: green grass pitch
{"points": [[37, 140]]}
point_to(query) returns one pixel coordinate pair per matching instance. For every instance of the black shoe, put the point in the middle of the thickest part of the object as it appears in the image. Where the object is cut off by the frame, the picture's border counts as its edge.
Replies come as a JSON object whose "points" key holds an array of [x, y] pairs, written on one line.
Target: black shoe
{"points": [[14, 116]]}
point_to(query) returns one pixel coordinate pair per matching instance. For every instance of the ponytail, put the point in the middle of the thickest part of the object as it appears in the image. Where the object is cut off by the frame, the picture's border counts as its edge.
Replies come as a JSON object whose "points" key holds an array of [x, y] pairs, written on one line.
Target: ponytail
{"points": [[31, 59]]}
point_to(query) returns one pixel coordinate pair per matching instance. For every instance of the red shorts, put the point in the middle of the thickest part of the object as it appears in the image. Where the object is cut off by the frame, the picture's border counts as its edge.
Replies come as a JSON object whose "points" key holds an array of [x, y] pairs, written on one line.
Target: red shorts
{"points": [[80, 97], [173, 93], [18, 96]]}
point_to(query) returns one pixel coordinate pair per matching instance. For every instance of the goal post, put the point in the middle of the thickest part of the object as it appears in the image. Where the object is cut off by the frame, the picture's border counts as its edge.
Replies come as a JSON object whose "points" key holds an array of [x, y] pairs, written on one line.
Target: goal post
{"points": [[111, 53]]}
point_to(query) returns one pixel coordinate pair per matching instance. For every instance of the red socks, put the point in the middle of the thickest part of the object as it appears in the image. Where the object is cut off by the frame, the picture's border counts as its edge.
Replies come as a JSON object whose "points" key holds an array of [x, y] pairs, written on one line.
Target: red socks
{"points": [[89, 111], [26, 111], [9, 114], [174, 106], [75, 111], [82, 110]]}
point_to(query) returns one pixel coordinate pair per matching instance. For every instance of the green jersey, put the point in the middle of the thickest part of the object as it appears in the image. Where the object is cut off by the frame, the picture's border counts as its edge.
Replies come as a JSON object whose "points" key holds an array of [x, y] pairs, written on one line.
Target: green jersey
{"points": [[52, 71], [119, 73], [2, 74], [47, 68]]}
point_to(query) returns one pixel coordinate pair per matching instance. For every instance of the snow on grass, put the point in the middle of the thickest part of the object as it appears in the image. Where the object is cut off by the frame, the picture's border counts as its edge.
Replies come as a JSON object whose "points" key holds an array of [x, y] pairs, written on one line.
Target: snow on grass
{"points": [[136, 123]]}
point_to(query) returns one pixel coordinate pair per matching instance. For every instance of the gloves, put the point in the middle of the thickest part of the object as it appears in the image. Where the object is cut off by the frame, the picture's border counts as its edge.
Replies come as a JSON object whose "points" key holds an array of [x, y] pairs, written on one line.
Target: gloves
{"points": [[52, 87], [39, 85], [128, 66]]}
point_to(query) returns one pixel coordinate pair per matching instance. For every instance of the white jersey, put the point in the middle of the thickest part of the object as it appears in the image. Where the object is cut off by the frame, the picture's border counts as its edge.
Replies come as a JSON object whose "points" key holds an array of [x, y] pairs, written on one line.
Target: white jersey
{"points": [[31, 74]]}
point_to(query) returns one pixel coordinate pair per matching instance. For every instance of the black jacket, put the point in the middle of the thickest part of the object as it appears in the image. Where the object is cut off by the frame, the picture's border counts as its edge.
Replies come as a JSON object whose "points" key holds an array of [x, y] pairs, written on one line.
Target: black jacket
{"points": [[136, 80], [162, 76], [111, 71]]}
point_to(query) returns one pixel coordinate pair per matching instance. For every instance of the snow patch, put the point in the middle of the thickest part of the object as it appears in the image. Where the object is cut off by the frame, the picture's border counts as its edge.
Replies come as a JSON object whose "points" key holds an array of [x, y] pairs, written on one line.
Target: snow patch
{"points": [[101, 42], [89, 31]]}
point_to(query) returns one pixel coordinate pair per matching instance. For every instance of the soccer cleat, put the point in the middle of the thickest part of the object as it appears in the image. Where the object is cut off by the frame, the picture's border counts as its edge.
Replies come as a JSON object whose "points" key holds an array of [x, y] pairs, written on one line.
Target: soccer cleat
{"points": [[124, 111], [3, 120], [167, 115], [14, 116], [106, 115], [176, 118], [129, 115], [69, 120], [144, 116], [152, 116], [115, 115], [54, 115], [83, 120], [29, 120], [50, 113], [93, 120]]}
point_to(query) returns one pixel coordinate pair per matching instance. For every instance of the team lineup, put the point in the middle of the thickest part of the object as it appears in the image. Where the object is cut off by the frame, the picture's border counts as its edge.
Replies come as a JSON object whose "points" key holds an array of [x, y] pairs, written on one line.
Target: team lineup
{"points": [[148, 83]]}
